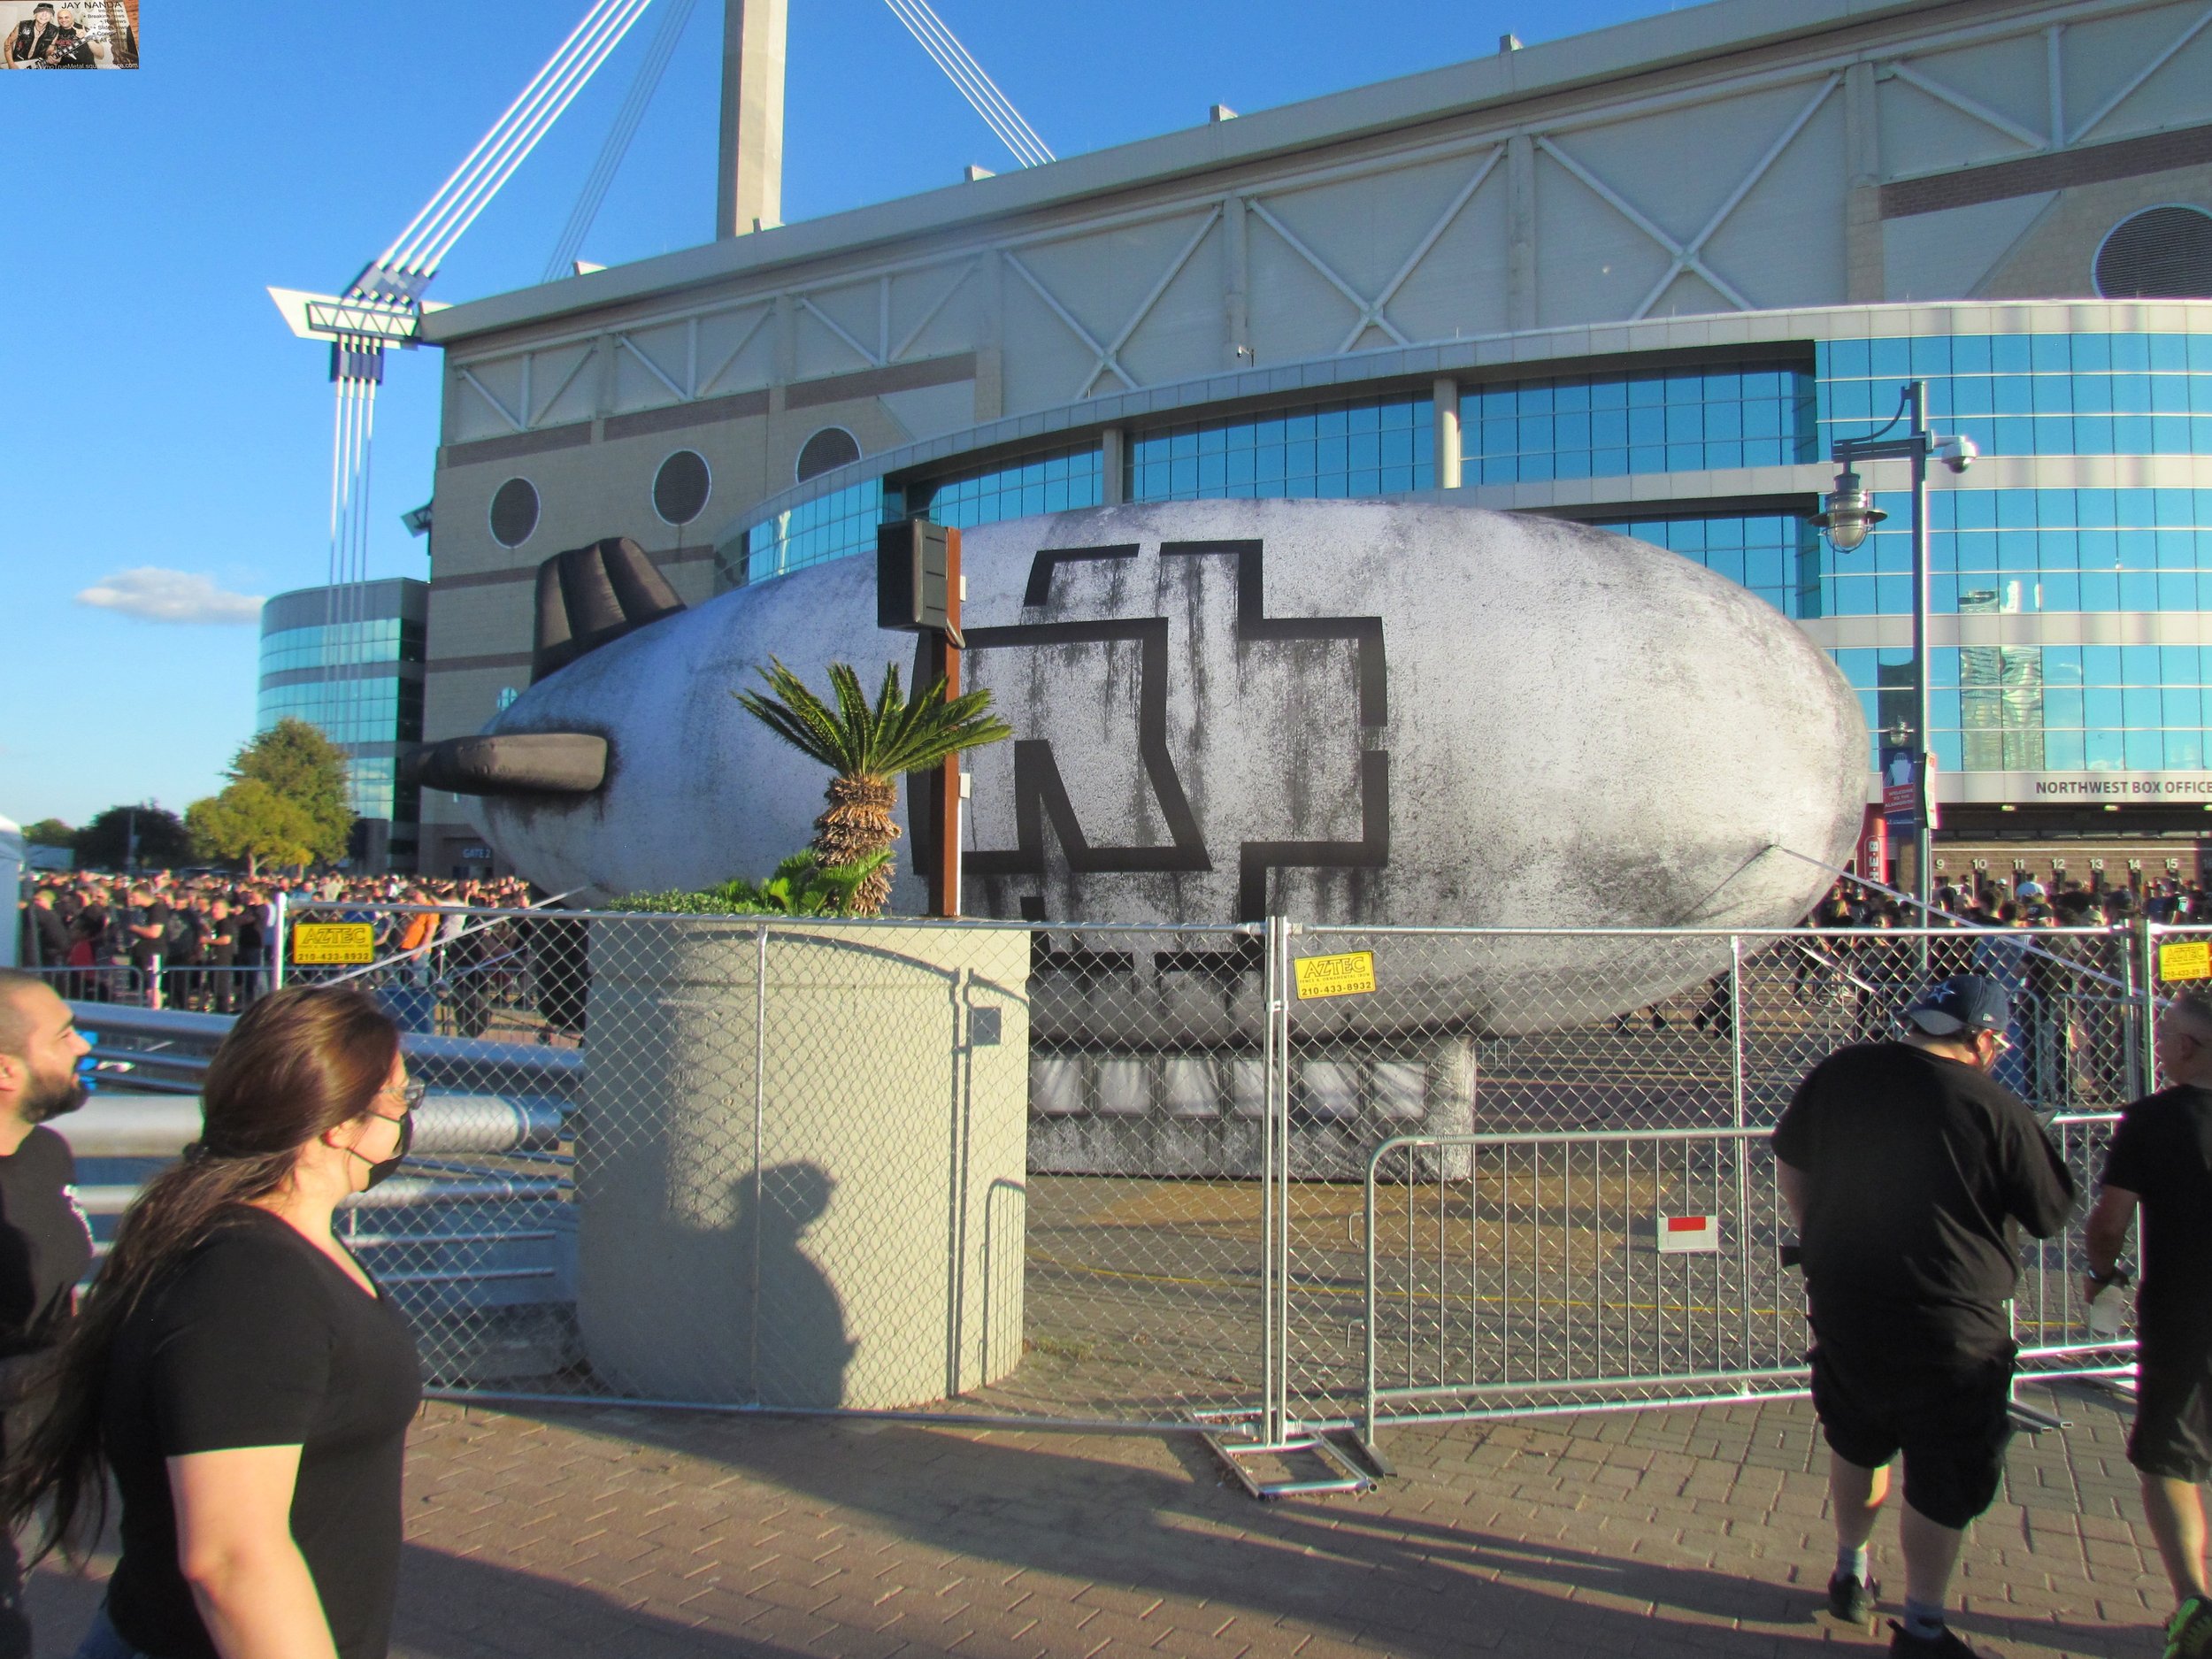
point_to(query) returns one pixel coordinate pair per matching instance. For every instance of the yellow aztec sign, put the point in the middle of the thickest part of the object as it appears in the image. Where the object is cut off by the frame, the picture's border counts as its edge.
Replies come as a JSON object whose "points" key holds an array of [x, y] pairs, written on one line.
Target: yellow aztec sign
{"points": [[333, 944], [1352, 974], [2192, 961]]}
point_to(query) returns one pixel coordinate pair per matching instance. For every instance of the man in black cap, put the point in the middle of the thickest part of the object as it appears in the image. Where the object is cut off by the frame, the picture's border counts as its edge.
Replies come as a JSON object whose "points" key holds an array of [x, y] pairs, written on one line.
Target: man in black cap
{"points": [[1908, 1171], [2161, 1160]]}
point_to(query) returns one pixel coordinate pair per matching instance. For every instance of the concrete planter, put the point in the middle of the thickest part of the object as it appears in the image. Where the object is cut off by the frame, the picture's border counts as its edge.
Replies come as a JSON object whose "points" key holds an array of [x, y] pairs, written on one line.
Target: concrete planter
{"points": [[815, 1199]]}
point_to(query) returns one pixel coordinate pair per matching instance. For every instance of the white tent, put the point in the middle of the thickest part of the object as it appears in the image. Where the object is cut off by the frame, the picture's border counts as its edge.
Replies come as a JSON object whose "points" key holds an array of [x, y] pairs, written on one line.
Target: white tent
{"points": [[11, 889]]}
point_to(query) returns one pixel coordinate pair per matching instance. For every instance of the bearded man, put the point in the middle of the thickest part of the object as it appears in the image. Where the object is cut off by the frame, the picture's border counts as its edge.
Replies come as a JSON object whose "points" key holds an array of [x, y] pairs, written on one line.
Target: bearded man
{"points": [[45, 1243]]}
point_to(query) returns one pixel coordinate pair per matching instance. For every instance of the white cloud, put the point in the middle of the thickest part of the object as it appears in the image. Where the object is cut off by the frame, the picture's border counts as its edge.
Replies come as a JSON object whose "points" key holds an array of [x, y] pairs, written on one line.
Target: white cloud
{"points": [[154, 595]]}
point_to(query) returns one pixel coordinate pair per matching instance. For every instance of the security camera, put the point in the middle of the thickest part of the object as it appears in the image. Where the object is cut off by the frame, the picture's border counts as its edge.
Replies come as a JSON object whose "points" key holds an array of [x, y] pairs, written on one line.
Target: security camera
{"points": [[1956, 451]]}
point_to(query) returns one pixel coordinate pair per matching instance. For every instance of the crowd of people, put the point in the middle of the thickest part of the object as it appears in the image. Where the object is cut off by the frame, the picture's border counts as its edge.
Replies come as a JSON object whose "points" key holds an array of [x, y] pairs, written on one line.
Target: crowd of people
{"points": [[204, 943]]}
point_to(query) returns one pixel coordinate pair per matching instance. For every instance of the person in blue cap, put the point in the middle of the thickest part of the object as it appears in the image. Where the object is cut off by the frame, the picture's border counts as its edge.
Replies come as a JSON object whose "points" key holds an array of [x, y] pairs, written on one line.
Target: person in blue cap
{"points": [[1909, 1171]]}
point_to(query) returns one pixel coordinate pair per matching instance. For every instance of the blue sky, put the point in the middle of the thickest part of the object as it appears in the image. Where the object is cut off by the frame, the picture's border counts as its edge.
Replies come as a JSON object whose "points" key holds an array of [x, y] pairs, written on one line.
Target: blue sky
{"points": [[156, 415]]}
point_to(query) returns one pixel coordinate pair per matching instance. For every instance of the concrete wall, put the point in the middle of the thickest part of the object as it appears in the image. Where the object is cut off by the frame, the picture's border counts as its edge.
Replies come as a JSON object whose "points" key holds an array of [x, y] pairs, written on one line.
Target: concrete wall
{"points": [[857, 1242]]}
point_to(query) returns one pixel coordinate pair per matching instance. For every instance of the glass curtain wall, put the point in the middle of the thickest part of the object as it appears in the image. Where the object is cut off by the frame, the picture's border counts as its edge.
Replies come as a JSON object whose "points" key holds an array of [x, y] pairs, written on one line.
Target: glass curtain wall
{"points": [[1659, 420], [1371, 447]]}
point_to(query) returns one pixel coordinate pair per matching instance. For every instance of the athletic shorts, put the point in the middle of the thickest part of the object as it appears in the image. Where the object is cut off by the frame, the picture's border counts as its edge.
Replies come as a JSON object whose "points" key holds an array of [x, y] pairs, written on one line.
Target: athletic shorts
{"points": [[2173, 1437], [1950, 1425]]}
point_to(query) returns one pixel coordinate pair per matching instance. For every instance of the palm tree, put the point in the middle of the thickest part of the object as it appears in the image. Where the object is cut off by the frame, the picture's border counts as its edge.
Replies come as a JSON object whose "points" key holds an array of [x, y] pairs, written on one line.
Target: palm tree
{"points": [[867, 749]]}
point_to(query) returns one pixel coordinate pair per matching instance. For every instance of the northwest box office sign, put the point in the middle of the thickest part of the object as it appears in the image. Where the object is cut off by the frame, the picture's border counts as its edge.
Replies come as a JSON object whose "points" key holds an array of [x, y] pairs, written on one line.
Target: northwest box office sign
{"points": [[90, 35]]}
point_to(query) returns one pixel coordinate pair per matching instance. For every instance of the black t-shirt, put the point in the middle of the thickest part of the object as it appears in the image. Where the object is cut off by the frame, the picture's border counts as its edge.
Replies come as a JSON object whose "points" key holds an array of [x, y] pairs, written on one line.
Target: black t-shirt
{"points": [[258, 1339], [220, 947], [1921, 1171], [155, 915], [2162, 1152], [45, 1245]]}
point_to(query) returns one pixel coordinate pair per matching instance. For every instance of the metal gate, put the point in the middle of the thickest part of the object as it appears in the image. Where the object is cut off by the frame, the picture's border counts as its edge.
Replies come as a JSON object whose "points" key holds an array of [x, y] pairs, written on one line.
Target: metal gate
{"points": [[1499, 1199]]}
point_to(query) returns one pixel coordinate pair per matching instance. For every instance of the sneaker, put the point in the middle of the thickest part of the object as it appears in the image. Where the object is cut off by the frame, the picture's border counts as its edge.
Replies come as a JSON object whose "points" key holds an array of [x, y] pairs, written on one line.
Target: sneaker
{"points": [[2189, 1633], [1946, 1644], [1852, 1601]]}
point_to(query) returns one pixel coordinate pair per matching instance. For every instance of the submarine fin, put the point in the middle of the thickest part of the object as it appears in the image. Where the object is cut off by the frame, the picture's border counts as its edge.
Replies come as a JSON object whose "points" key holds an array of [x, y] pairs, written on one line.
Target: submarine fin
{"points": [[590, 596], [515, 763]]}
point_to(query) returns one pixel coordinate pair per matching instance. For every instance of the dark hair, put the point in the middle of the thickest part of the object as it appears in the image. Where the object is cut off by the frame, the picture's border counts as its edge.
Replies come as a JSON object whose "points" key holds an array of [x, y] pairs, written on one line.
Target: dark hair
{"points": [[2195, 1003], [298, 1064], [14, 1026]]}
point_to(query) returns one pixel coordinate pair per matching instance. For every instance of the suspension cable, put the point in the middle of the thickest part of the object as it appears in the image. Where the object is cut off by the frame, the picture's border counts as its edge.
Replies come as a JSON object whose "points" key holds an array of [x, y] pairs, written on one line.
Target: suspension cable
{"points": [[594, 196], [969, 78], [403, 244]]}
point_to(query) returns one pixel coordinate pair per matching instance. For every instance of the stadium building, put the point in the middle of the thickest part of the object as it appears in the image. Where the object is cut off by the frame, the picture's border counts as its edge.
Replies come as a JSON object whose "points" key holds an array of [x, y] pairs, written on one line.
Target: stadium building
{"points": [[1643, 278], [349, 661]]}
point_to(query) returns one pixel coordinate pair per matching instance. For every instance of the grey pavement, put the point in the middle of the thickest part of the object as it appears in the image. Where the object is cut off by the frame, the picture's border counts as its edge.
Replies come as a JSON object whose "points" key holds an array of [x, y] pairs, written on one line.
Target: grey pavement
{"points": [[638, 1534]]}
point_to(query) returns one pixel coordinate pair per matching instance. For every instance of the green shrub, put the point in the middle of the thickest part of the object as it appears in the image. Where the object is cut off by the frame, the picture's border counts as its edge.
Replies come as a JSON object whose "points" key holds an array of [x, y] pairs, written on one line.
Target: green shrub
{"points": [[800, 887]]}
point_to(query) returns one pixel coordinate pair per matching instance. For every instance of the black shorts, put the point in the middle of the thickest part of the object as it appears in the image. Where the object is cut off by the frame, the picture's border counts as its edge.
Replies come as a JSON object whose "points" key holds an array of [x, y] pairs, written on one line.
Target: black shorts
{"points": [[2173, 1437], [1951, 1426]]}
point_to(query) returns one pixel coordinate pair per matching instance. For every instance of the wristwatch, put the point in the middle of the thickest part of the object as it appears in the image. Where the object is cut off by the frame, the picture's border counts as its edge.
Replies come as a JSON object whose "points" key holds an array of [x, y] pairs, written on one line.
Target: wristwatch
{"points": [[2116, 1274]]}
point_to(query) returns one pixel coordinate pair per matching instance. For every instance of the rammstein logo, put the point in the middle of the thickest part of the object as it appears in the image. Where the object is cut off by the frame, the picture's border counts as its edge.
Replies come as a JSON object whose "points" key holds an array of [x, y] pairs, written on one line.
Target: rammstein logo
{"points": [[1040, 795]]}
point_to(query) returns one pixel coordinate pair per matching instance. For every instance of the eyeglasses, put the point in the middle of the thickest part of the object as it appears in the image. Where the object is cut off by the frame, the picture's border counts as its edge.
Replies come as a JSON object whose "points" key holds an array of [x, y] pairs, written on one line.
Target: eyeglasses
{"points": [[410, 1093]]}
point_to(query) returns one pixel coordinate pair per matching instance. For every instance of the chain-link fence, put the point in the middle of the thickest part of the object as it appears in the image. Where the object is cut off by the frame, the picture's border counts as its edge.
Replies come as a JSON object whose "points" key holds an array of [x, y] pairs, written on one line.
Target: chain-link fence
{"points": [[995, 1169], [1524, 1152], [1173, 1177]]}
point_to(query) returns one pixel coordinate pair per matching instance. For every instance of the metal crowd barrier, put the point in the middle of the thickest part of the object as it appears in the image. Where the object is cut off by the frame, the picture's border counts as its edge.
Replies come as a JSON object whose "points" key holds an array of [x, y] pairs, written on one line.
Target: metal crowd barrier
{"points": [[1575, 1271], [1599, 1269], [116, 1124]]}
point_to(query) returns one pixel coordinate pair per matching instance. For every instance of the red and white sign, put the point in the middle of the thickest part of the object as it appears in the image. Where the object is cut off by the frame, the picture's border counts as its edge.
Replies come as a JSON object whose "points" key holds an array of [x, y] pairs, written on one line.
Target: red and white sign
{"points": [[1689, 1235], [1874, 846]]}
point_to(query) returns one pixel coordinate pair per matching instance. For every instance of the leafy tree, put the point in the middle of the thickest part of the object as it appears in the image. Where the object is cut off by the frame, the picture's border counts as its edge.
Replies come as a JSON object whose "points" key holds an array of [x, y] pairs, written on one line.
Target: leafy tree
{"points": [[301, 766], [250, 821], [867, 749], [163, 843], [800, 887], [50, 831]]}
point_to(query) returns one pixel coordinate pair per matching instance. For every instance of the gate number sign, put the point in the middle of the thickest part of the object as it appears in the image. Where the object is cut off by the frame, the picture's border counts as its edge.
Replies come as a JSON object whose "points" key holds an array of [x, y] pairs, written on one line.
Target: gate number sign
{"points": [[2186, 962], [1350, 975], [1689, 1235], [333, 944]]}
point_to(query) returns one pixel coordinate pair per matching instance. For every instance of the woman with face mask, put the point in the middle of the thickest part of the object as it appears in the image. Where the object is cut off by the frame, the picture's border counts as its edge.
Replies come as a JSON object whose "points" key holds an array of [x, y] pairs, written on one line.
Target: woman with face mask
{"points": [[238, 1372]]}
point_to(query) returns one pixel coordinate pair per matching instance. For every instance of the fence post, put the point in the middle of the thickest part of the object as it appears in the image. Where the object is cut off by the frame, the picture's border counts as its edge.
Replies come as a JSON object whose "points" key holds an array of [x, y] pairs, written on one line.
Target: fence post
{"points": [[1275, 1185], [2147, 1043], [760, 1117], [277, 920], [1735, 1028], [1743, 1157], [2135, 965]]}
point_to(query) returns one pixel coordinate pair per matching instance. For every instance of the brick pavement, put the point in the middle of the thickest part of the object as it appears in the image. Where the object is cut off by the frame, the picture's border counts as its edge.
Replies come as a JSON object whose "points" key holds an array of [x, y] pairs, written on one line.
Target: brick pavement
{"points": [[646, 1535]]}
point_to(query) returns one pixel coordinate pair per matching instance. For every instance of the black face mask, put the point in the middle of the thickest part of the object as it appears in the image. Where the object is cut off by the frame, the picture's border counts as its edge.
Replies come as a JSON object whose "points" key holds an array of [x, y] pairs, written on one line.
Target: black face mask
{"points": [[381, 1170]]}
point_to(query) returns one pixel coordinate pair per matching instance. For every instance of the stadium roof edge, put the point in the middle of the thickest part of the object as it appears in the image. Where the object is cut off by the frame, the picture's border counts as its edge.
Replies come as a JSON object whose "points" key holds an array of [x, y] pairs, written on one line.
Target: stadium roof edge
{"points": [[1639, 46]]}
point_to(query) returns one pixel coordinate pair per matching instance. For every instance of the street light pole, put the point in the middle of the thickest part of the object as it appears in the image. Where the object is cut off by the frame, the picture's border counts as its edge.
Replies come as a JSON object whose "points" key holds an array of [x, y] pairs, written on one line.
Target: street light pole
{"points": [[1850, 514], [1923, 826]]}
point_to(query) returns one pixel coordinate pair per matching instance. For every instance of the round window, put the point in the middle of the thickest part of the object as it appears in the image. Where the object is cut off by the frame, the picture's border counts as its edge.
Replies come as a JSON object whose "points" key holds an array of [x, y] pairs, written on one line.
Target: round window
{"points": [[514, 512], [2162, 253], [831, 447], [681, 487]]}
